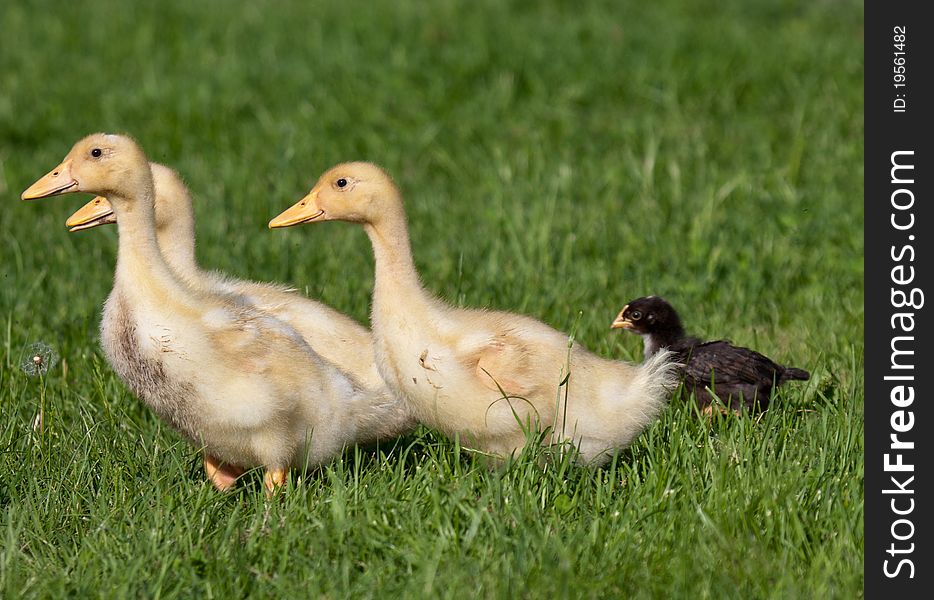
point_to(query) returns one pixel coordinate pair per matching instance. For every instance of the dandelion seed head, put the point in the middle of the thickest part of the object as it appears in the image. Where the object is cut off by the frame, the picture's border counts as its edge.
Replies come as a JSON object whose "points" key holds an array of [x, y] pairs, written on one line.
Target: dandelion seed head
{"points": [[39, 358]]}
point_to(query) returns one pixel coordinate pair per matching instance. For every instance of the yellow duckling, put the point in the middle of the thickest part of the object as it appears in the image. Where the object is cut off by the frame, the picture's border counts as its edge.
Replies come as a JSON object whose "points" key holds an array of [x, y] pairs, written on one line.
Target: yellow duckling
{"points": [[486, 376], [333, 335], [230, 377]]}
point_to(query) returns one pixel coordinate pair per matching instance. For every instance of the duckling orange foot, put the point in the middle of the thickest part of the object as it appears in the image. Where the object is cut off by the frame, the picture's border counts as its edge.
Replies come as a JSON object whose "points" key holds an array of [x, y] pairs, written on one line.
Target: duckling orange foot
{"points": [[274, 480], [708, 411], [223, 476]]}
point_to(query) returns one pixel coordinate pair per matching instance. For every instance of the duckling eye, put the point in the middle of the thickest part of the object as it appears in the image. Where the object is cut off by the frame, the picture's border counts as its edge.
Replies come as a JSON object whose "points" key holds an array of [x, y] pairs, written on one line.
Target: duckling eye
{"points": [[341, 183], [636, 315], [96, 152]]}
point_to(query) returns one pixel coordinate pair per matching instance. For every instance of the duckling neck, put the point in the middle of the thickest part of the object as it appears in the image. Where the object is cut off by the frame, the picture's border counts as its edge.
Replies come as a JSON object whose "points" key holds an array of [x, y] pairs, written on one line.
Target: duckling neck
{"points": [[396, 279], [176, 241], [140, 265]]}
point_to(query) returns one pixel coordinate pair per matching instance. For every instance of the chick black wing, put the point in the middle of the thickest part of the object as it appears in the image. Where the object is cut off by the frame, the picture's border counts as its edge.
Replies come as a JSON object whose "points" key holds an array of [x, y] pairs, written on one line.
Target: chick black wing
{"points": [[731, 364], [737, 375]]}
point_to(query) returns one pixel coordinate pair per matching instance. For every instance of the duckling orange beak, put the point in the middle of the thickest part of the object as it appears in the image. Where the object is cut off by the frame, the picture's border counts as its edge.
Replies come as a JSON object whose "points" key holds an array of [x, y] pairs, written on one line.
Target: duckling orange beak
{"points": [[304, 211], [621, 322], [96, 212], [55, 182]]}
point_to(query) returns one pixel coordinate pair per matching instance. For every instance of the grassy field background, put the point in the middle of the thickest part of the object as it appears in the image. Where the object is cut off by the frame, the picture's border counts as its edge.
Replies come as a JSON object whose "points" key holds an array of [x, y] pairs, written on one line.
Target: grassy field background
{"points": [[557, 159]]}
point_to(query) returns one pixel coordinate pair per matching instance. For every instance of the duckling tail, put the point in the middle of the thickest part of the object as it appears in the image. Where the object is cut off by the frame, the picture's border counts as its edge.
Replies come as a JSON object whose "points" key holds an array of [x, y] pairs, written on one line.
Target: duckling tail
{"points": [[664, 369], [660, 375]]}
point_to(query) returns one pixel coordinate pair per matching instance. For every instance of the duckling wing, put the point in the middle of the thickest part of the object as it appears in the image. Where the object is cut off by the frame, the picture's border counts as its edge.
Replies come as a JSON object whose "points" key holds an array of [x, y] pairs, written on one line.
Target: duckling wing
{"points": [[502, 366], [520, 356], [255, 343]]}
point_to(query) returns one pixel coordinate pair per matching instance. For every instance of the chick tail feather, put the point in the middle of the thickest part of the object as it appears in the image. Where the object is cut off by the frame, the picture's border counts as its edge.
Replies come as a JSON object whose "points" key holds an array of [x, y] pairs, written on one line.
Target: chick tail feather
{"points": [[793, 374]]}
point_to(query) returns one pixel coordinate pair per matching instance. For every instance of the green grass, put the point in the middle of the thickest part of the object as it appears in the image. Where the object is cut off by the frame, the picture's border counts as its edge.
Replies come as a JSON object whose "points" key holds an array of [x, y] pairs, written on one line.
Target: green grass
{"points": [[556, 160]]}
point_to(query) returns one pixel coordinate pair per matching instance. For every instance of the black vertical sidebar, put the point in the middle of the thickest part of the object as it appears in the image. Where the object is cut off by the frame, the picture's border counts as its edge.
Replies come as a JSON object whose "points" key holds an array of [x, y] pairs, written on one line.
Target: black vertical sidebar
{"points": [[899, 225]]}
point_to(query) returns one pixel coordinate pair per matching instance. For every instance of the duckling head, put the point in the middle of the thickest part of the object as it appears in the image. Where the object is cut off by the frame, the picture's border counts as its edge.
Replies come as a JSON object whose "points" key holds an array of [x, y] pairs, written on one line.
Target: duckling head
{"points": [[104, 164], [172, 198], [358, 192]]}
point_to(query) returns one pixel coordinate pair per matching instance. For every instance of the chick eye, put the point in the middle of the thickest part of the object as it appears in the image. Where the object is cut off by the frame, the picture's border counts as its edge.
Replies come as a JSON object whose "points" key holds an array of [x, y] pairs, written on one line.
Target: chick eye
{"points": [[96, 153], [636, 315], [341, 183]]}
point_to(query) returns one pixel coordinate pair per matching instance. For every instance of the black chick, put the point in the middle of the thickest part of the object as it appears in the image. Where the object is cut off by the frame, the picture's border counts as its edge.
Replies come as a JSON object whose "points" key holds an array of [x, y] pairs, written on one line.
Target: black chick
{"points": [[738, 376]]}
